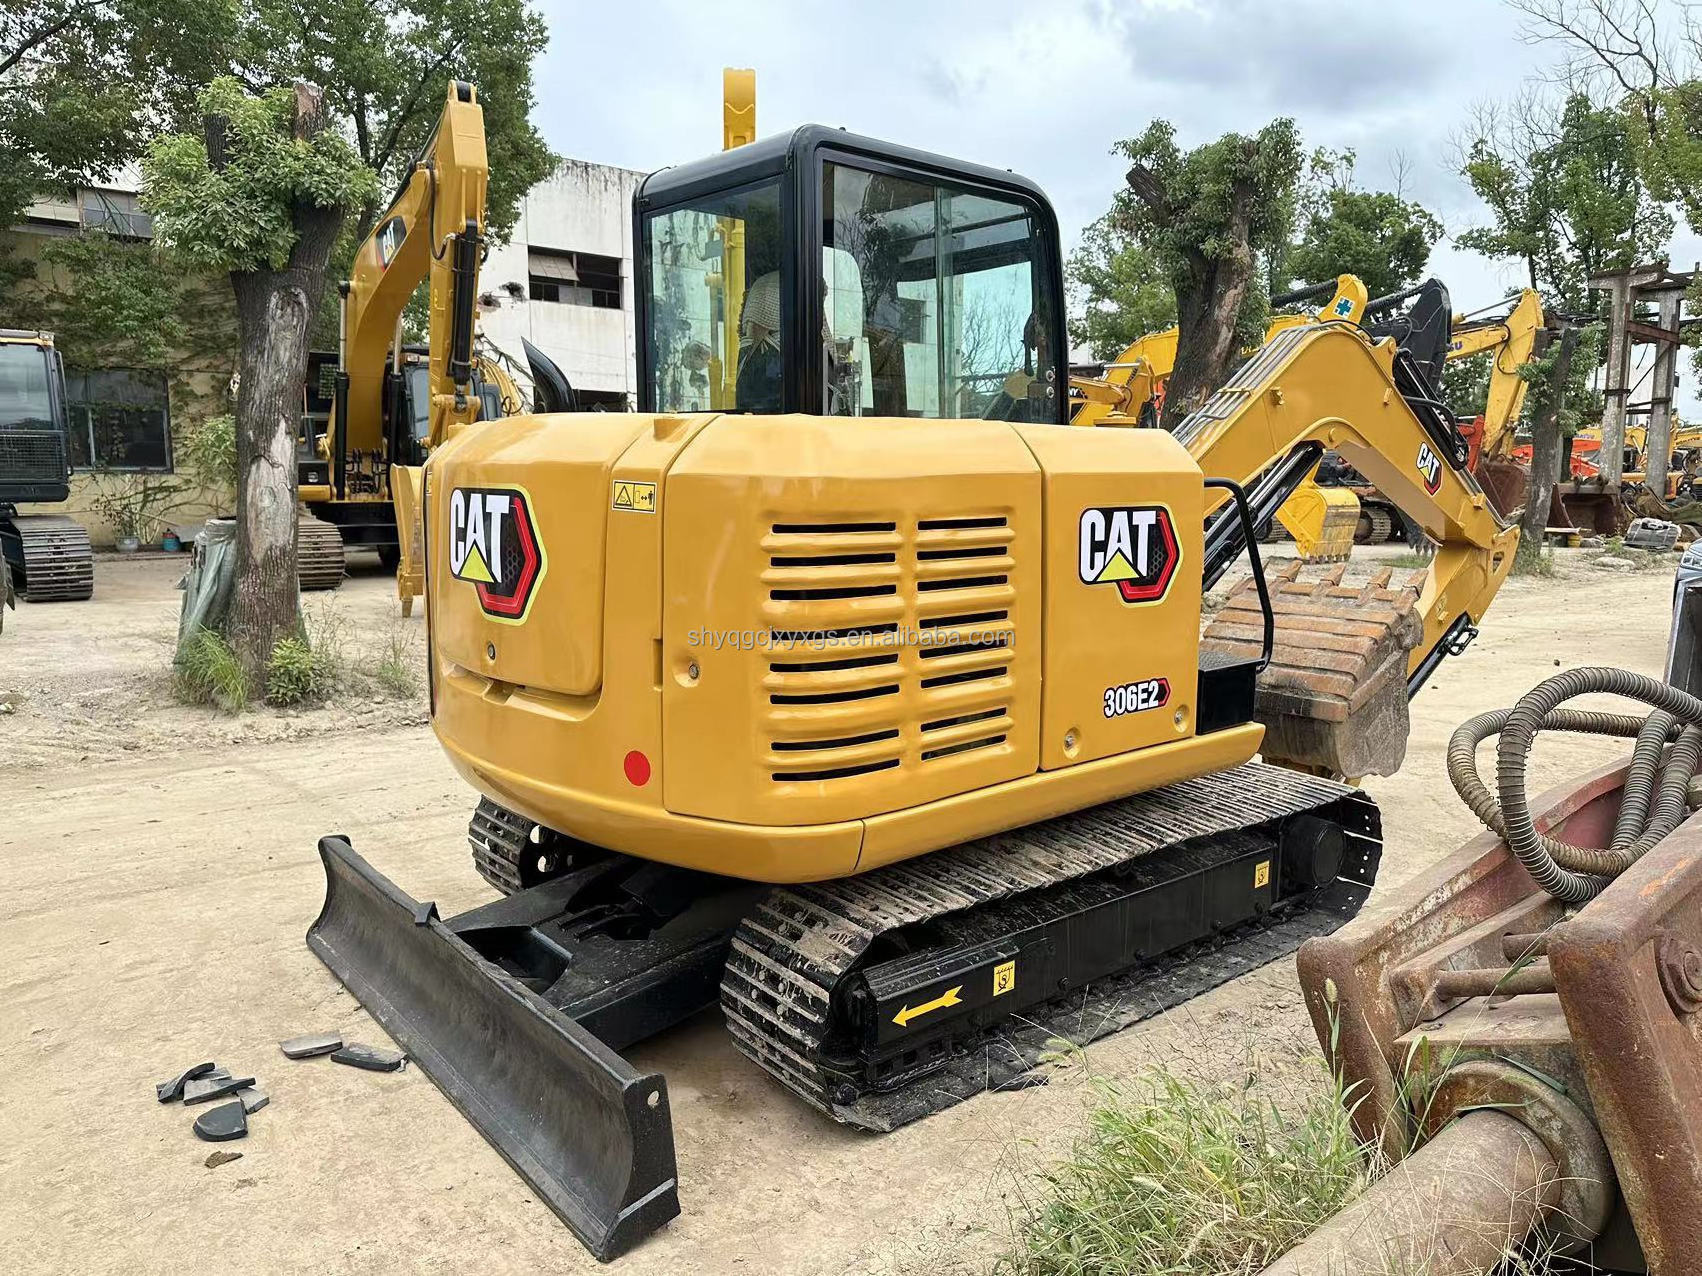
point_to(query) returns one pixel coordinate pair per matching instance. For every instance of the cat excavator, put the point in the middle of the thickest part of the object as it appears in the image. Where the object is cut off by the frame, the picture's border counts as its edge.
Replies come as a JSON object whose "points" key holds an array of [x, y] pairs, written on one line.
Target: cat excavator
{"points": [[846, 687]]}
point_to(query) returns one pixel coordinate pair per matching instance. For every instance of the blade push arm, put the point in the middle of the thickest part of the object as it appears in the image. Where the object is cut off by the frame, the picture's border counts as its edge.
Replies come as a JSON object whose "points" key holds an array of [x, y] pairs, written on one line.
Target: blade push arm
{"points": [[1329, 386]]}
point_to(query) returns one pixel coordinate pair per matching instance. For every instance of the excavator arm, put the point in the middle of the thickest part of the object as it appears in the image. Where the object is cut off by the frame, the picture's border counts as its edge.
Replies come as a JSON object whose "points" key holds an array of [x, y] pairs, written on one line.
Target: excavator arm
{"points": [[1347, 659], [1513, 340]]}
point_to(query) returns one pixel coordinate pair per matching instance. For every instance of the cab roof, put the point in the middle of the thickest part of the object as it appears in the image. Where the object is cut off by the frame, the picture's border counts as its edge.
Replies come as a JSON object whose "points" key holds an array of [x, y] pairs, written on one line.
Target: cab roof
{"points": [[774, 155]]}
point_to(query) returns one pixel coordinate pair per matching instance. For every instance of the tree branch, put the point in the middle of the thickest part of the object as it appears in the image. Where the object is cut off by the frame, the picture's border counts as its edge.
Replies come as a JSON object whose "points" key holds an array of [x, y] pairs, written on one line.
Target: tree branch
{"points": [[42, 34]]}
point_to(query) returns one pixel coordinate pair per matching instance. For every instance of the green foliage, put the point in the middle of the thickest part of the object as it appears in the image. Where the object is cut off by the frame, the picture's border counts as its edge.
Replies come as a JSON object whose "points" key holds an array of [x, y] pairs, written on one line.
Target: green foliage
{"points": [[397, 662], [136, 504], [208, 672], [206, 452], [1220, 199], [237, 215], [1565, 195], [1465, 384], [1182, 1178], [81, 85], [1534, 560], [1377, 235], [1117, 291], [108, 302], [294, 674], [1582, 403]]}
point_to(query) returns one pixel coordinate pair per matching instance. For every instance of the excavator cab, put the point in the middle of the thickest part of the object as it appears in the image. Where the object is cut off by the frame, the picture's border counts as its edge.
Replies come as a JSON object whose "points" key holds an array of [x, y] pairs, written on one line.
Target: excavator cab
{"points": [[937, 286]]}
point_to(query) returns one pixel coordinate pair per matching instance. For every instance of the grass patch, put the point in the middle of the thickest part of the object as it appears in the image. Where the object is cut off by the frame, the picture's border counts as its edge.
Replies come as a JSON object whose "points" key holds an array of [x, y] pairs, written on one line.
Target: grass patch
{"points": [[1539, 561], [1188, 1178], [295, 674], [208, 672], [1408, 558], [395, 671]]}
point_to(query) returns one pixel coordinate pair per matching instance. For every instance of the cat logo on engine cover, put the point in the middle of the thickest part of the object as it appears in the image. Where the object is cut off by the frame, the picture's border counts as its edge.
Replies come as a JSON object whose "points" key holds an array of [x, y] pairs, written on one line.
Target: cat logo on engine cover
{"points": [[494, 546], [1133, 547]]}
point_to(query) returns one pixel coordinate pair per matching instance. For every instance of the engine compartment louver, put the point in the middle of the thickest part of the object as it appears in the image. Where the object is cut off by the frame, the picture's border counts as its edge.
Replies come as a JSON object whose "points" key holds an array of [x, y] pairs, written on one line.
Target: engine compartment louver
{"points": [[891, 651]]}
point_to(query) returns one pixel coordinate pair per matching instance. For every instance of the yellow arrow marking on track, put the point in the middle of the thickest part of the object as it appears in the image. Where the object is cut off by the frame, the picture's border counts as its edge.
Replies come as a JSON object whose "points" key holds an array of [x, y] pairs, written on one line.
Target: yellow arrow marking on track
{"points": [[947, 998]]}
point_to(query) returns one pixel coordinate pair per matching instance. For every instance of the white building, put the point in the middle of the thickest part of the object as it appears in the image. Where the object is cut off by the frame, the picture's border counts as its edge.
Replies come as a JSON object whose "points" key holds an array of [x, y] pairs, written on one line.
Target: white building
{"points": [[564, 281]]}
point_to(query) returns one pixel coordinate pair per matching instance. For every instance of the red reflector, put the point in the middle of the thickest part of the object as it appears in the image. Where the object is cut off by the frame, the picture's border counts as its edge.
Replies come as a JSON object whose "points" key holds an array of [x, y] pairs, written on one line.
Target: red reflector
{"points": [[637, 768]]}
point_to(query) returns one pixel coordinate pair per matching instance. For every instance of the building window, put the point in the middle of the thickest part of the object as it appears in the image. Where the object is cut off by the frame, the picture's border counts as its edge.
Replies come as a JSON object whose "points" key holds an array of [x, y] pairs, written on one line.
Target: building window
{"points": [[116, 212], [577, 279], [120, 419]]}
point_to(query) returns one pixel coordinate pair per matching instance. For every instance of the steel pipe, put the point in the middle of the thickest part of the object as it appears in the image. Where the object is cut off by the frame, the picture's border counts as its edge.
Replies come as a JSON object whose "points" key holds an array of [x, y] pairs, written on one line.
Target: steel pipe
{"points": [[1452, 1207]]}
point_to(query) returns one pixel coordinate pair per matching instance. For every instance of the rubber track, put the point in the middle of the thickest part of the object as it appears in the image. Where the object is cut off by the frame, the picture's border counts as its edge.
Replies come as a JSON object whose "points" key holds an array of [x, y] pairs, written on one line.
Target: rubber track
{"points": [[499, 839], [791, 953], [58, 563]]}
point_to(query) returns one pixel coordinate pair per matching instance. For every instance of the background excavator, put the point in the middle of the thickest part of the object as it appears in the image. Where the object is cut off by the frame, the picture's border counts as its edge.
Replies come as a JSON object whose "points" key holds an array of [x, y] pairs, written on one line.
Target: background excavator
{"points": [[383, 402], [871, 703], [47, 556], [1130, 391]]}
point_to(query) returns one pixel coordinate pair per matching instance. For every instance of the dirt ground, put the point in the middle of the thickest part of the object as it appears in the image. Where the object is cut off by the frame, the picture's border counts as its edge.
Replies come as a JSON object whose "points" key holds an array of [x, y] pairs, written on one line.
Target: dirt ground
{"points": [[160, 871]]}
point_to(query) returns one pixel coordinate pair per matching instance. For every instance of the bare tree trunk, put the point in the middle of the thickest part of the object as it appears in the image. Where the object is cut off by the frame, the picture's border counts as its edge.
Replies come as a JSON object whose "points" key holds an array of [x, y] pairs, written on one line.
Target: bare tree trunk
{"points": [[1206, 317], [1546, 454], [274, 309], [1208, 301]]}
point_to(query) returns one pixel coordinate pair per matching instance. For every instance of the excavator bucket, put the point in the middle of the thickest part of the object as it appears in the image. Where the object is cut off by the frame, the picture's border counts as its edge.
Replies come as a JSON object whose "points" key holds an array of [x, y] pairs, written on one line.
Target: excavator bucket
{"points": [[1334, 697], [407, 495], [1322, 521], [590, 1133]]}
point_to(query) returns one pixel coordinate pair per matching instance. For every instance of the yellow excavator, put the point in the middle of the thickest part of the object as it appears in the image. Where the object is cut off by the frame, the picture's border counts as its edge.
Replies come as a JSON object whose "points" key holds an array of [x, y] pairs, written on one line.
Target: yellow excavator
{"points": [[871, 703], [390, 402]]}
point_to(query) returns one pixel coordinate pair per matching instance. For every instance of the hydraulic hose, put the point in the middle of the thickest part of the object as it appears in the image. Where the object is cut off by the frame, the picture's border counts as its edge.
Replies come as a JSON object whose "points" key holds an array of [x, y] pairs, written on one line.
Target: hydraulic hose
{"points": [[1657, 792]]}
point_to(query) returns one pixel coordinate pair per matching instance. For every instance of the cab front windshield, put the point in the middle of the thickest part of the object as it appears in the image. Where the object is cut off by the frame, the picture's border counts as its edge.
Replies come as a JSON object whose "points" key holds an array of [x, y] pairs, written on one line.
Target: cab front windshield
{"points": [[25, 399]]}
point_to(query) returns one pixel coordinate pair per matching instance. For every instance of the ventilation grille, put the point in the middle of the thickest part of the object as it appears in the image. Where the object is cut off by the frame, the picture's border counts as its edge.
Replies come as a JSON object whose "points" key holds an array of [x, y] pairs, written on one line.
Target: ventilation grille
{"points": [[889, 645], [32, 456]]}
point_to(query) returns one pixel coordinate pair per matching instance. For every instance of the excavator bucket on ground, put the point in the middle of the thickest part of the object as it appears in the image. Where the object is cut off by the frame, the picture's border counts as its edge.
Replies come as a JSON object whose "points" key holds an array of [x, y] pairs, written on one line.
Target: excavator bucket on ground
{"points": [[1334, 697], [1322, 521]]}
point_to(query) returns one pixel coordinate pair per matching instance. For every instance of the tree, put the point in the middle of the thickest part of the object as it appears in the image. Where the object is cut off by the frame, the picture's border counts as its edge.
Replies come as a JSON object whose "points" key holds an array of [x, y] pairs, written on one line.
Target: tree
{"points": [[262, 193], [1117, 291], [1206, 216], [83, 81], [1377, 235], [1566, 198], [1564, 191]]}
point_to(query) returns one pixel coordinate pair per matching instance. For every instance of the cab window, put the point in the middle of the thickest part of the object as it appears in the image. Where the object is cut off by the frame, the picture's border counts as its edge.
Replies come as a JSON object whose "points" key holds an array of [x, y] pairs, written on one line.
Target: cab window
{"points": [[935, 304], [716, 309]]}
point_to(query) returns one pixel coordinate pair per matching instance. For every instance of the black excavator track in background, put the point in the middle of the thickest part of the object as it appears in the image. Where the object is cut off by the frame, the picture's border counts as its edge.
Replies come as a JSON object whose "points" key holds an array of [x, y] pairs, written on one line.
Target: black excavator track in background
{"points": [[50, 556]]}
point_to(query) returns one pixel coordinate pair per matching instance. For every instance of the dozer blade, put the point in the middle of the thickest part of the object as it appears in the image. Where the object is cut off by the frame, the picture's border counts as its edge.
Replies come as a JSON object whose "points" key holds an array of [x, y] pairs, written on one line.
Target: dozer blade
{"points": [[591, 1134], [1322, 521], [1334, 697]]}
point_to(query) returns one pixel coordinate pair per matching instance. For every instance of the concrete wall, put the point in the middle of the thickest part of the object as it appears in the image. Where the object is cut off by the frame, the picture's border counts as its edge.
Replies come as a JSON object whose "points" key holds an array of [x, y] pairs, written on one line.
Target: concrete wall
{"points": [[582, 208]]}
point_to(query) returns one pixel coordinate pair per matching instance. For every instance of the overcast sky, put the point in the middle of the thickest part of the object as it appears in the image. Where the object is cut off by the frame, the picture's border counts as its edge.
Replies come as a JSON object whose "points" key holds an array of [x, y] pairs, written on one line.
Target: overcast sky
{"points": [[1045, 86]]}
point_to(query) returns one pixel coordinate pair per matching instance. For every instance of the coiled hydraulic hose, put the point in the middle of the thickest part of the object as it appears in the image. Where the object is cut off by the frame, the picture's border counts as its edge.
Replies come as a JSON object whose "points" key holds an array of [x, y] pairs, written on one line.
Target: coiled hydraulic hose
{"points": [[1657, 784]]}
